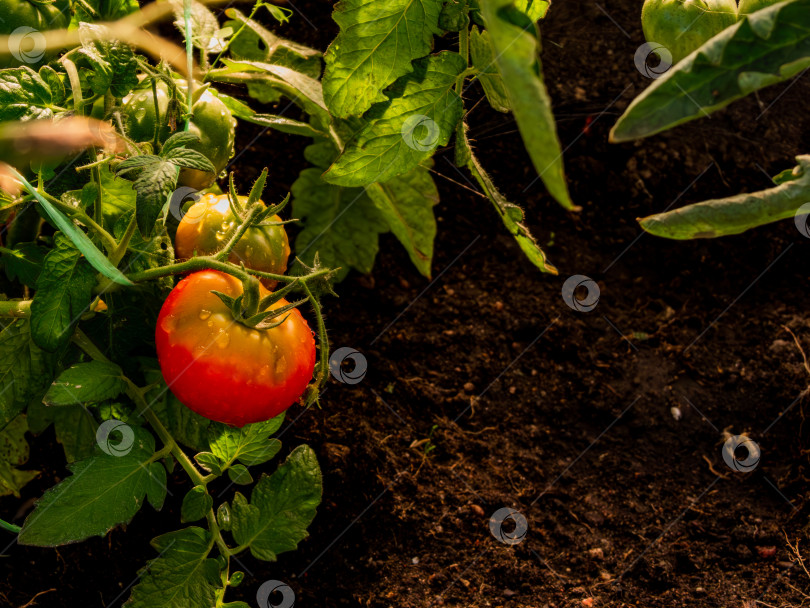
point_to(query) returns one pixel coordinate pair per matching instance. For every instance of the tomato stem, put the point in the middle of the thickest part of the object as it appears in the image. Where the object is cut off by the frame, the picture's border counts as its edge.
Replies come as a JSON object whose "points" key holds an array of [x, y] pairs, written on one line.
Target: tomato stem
{"points": [[10, 527], [15, 308], [248, 223], [323, 343]]}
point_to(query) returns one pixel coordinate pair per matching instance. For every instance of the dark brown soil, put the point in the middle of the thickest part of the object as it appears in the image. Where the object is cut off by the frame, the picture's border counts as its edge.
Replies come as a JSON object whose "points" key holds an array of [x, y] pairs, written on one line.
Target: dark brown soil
{"points": [[484, 390]]}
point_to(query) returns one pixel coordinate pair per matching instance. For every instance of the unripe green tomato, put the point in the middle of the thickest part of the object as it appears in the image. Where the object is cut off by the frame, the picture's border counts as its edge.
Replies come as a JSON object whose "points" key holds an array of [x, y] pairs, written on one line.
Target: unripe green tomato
{"points": [[35, 17], [752, 6], [212, 121], [682, 26]]}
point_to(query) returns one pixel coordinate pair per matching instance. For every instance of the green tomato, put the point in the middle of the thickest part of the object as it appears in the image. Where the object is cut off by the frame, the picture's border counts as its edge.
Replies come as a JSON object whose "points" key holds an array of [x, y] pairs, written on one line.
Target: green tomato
{"points": [[682, 26], [26, 18], [212, 122], [752, 6]]}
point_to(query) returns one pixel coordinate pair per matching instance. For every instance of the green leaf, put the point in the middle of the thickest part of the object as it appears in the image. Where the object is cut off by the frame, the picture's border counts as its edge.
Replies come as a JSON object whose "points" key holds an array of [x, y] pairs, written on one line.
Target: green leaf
{"points": [[156, 180], [196, 503], [117, 195], [279, 123], [209, 462], [377, 42], [453, 16], [24, 95], [176, 141], [421, 115], [106, 64], [205, 31], [90, 382], [763, 48], [101, 10], [156, 488], [182, 576], [516, 48], [736, 214], [64, 290], [190, 159], [483, 59], [52, 79], [250, 445], [25, 369], [74, 426], [281, 507], [239, 474], [23, 263], [535, 9], [13, 453], [341, 225], [102, 492], [406, 202], [512, 217]]}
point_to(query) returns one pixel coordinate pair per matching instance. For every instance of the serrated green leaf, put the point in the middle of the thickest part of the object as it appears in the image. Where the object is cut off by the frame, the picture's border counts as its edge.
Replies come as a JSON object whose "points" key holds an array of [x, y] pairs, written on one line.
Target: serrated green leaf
{"points": [[89, 11], [534, 9], [517, 59], [281, 507], [102, 492], [341, 225], [182, 576], [421, 115], [377, 42], [763, 48], [54, 82], [205, 31], [64, 290], [512, 217], [24, 95], [209, 462], [250, 445], [483, 59], [105, 63], [177, 141], [279, 123], [196, 503], [153, 186], [190, 159], [24, 262], [406, 202], [25, 369], [90, 382], [735, 214], [156, 488], [74, 427]]}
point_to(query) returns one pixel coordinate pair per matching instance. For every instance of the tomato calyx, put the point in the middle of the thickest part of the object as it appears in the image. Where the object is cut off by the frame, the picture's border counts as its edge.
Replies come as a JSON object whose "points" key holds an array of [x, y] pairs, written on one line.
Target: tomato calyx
{"points": [[254, 311]]}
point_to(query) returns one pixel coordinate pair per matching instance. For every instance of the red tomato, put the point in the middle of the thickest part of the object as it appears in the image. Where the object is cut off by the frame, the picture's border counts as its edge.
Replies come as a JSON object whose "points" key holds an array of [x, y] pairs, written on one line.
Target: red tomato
{"points": [[224, 370]]}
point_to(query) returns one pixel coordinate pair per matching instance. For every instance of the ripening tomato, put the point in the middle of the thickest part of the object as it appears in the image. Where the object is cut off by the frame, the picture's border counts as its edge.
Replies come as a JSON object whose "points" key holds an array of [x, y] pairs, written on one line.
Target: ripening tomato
{"points": [[222, 369], [682, 26], [207, 224]]}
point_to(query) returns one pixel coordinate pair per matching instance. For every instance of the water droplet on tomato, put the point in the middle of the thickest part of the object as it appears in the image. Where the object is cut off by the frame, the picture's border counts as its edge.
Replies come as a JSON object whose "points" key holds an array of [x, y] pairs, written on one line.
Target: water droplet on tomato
{"points": [[223, 340], [140, 113], [204, 314], [281, 365], [248, 252], [169, 323], [264, 370]]}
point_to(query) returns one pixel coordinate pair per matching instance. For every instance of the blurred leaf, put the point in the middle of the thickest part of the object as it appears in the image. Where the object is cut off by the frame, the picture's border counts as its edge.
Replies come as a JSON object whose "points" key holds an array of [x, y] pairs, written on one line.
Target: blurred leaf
{"points": [[23, 263], [13, 453], [205, 31], [763, 48], [105, 63], [90, 382]]}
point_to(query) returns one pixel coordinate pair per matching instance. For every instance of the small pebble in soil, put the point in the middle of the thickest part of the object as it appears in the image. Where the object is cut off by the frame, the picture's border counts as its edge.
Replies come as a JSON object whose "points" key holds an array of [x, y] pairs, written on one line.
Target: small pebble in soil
{"points": [[415, 561], [676, 412], [509, 593], [477, 510], [596, 553], [700, 590], [512, 390], [469, 387], [404, 284], [766, 552], [498, 305], [587, 602]]}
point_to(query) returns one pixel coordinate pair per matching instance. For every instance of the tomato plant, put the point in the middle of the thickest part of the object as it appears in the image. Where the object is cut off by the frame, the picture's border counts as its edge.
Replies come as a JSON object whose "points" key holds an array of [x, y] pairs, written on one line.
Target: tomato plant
{"points": [[32, 17], [207, 223], [684, 25], [769, 44], [746, 7], [231, 370]]}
